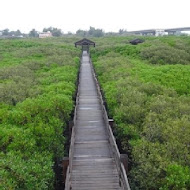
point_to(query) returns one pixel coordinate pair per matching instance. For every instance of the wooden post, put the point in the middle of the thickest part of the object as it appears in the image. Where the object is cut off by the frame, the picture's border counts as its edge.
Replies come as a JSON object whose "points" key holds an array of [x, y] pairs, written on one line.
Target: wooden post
{"points": [[124, 160], [65, 163], [70, 127], [111, 123]]}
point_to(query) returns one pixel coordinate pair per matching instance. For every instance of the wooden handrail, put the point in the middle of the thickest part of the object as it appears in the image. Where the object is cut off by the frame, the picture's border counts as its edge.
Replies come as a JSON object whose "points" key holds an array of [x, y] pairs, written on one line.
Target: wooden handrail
{"points": [[71, 149], [115, 150], [67, 182]]}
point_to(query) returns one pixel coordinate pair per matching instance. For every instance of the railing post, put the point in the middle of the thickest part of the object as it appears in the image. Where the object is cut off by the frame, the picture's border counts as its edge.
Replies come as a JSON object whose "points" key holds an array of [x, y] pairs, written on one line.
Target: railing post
{"points": [[65, 163], [111, 123], [71, 124], [124, 160]]}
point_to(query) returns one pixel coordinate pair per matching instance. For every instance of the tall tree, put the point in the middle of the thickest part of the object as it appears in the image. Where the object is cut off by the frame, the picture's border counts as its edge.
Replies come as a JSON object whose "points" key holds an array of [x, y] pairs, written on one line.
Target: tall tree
{"points": [[122, 31], [33, 33], [91, 31], [18, 33], [6, 32], [98, 33], [95, 32], [82, 33], [55, 31]]}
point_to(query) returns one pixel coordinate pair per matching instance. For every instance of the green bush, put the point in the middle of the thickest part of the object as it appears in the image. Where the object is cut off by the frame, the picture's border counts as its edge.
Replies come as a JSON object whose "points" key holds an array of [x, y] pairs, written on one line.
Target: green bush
{"points": [[19, 172], [164, 54], [152, 119], [36, 100], [178, 177]]}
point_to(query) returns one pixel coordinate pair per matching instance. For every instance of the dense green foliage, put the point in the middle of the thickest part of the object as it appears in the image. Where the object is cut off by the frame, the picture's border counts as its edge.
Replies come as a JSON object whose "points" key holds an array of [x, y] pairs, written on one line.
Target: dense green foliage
{"points": [[37, 85], [166, 74], [147, 90], [55, 31]]}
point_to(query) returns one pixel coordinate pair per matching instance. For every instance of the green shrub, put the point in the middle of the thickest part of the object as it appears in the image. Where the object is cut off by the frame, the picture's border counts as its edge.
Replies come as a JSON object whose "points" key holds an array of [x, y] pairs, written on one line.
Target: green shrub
{"points": [[19, 172], [163, 54], [152, 120], [178, 177], [37, 85]]}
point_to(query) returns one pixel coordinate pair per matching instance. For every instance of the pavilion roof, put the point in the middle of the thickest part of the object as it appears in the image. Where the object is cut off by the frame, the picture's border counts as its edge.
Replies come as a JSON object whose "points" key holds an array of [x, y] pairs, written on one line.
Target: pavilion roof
{"points": [[84, 41]]}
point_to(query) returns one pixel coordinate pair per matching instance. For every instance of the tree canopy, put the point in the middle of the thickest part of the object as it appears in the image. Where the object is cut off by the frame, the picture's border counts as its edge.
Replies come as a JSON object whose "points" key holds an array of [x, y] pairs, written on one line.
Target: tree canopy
{"points": [[55, 31], [91, 32]]}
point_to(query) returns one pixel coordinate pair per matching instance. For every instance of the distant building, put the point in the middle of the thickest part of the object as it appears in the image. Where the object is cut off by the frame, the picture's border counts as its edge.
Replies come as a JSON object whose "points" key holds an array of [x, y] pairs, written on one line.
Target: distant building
{"points": [[1, 33], [160, 32], [45, 34]]}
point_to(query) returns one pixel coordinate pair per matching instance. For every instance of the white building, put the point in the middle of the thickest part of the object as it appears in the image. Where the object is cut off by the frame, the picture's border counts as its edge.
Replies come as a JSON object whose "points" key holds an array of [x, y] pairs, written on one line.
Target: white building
{"points": [[45, 34], [160, 32], [1, 33]]}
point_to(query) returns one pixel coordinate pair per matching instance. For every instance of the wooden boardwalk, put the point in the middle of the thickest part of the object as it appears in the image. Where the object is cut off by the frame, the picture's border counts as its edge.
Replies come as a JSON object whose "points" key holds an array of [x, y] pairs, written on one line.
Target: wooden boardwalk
{"points": [[92, 165]]}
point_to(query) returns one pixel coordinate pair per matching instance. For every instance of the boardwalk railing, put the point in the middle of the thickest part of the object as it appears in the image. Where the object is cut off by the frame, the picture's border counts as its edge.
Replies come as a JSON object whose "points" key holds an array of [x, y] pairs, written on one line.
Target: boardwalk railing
{"points": [[71, 150], [117, 156]]}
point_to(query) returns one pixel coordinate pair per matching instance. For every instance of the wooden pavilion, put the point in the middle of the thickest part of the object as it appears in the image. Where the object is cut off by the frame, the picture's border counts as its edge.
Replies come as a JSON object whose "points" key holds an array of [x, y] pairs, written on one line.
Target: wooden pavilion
{"points": [[85, 43], [136, 41]]}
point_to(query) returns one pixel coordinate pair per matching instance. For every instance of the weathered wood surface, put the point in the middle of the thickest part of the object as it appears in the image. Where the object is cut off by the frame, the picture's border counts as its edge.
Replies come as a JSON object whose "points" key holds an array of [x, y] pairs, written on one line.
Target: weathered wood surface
{"points": [[93, 164]]}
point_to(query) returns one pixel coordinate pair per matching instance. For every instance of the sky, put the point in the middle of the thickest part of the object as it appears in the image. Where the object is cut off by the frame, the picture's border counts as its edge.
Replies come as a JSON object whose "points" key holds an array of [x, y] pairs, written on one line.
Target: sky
{"points": [[109, 15]]}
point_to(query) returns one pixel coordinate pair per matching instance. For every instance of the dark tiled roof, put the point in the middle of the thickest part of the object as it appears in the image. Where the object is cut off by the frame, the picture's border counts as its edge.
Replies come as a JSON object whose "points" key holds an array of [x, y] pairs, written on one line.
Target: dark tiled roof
{"points": [[84, 41]]}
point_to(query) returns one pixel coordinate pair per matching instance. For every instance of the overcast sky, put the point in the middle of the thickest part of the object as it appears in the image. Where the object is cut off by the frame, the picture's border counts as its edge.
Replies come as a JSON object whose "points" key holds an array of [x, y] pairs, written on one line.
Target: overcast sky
{"points": [[110, 15]]}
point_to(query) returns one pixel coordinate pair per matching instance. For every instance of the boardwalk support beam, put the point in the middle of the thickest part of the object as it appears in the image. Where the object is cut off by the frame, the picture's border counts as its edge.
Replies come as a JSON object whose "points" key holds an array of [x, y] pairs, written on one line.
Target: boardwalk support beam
{"points": [[124, 160], [65, 164]]}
